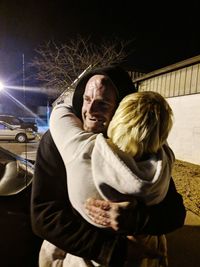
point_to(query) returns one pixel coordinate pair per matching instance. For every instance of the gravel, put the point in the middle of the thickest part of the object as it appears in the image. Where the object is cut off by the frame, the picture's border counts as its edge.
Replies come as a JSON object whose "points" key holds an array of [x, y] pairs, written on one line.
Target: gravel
{"points": [[187, 179]]}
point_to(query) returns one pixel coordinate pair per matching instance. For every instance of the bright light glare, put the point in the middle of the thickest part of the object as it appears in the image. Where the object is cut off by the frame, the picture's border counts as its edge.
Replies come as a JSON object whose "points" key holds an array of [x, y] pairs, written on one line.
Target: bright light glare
{"points": [[1, 86]]}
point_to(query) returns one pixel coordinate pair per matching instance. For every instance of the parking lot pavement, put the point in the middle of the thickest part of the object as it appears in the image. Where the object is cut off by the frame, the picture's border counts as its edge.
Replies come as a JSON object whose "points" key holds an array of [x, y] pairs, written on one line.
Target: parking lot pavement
{"points": [[184, 244]]}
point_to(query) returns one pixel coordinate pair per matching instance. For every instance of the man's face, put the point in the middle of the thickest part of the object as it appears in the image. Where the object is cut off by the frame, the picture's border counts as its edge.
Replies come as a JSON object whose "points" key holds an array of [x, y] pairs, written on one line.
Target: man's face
{"points": [[99, 104]]}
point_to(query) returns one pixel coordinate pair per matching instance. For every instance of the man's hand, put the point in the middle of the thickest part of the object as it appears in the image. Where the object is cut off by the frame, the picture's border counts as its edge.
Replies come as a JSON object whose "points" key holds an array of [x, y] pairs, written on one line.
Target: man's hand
{"points": [[108, 214], [116, 216]]}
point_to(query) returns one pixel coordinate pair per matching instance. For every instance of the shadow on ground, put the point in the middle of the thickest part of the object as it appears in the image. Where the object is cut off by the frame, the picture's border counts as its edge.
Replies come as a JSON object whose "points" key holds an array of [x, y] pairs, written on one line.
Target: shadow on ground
{"points": [[184, 247]]}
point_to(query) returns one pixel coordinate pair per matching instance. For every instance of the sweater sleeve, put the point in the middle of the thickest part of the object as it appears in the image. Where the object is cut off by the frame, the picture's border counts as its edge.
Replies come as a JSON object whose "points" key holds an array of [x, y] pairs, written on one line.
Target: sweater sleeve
{"points": [[54, 219], [67, 132]]}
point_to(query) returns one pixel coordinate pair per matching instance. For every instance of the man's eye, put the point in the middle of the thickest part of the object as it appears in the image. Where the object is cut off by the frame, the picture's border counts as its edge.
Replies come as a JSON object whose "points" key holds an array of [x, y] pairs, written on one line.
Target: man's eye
{"points": [[104, 105], [87, 100]]}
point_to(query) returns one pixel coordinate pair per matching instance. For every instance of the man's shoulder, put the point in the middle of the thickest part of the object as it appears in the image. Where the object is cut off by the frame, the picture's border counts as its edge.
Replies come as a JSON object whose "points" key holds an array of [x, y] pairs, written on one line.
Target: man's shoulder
{"points": [[47, 141], [46, 137], [47, 149]]}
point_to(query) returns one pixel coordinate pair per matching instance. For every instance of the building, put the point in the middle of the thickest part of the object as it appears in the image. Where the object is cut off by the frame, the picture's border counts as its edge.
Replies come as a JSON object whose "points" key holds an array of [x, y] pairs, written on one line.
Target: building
{"points": [[180, 85]]}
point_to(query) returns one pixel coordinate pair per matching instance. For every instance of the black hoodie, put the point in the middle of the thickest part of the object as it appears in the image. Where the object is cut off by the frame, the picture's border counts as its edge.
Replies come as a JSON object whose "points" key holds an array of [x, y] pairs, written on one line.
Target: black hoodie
{"points": [[117, 75]]}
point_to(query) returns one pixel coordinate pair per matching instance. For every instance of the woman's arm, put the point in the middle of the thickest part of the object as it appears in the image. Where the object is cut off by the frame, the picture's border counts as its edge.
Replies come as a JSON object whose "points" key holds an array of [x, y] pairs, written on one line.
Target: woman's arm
{"points": [[168, 215], [54, 219], [67, 132], [165, 217]]}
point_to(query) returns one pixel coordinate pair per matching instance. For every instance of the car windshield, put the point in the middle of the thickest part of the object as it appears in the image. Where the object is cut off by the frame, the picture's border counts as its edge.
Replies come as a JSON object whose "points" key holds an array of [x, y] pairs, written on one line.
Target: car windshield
{"points": [[16, 121]]}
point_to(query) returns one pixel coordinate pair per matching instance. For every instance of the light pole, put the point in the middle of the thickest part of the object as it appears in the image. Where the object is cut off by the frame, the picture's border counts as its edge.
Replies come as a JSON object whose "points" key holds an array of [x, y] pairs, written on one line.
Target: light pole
{"points": [[1, 86], [1, 89]]}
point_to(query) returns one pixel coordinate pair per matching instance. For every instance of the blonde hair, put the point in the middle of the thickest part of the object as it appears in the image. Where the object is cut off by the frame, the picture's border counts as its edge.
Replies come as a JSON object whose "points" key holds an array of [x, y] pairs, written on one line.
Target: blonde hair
{"points": [[141, 123]]}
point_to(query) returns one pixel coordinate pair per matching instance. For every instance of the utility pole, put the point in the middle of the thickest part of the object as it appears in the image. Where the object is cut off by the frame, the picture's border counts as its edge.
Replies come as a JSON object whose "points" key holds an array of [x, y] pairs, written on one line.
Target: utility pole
{"points": [[24, 91], [23, 79]]}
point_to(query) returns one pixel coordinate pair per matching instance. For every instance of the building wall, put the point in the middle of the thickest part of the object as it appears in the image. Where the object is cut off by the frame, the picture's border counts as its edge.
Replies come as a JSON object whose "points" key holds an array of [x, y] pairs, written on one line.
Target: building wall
{"points": [[180, 85], [183, 81], [185, 135]]}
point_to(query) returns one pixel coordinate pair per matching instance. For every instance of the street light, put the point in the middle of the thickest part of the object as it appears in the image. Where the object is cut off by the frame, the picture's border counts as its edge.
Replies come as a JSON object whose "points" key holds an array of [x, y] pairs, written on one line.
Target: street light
{"points": [[1, 86]]}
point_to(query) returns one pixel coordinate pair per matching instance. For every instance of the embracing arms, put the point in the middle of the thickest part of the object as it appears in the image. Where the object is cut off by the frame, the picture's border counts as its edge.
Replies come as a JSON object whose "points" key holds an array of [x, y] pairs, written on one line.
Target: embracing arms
{"points": [[54, 219], [158, 219], [165, 217]]}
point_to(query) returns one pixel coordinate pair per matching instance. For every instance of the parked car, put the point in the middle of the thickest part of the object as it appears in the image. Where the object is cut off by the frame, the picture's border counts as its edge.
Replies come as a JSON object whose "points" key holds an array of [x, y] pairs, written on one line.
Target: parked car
{"points": [[15, 133], [19, 245], [15, 121]]}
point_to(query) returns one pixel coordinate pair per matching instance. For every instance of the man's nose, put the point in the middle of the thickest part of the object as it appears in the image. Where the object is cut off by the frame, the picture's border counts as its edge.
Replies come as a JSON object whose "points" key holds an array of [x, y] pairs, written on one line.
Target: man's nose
{"points": [[93, 107]]}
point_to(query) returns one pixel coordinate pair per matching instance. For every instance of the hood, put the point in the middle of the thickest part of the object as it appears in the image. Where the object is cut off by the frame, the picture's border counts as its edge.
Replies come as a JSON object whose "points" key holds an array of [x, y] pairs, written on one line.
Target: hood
{"points": [[119, 77], [118, 177]]}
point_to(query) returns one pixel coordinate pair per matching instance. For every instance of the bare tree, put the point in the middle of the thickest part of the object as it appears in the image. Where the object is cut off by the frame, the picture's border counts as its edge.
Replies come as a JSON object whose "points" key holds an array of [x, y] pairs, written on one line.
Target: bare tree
{"points": [[59, 65]]}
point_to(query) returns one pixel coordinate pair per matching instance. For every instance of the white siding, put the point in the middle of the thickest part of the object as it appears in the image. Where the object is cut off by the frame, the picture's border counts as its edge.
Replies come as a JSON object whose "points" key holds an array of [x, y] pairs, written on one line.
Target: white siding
{"points": [[185, 135], [181, 87], [184, 81]]}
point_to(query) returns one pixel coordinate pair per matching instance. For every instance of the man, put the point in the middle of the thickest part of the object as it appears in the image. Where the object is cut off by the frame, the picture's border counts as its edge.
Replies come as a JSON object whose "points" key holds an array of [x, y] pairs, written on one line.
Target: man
{"points": [[53, 217]]}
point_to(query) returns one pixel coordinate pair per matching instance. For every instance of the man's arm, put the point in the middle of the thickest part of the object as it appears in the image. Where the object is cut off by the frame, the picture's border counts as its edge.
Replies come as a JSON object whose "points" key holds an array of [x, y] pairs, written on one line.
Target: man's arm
{"points": [[165, 217], [54, 219]]}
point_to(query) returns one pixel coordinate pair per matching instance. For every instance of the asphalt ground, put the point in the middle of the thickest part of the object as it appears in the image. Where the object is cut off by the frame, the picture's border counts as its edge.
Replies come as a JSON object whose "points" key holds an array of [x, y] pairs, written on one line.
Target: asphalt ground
{"points": [[184, 243]]}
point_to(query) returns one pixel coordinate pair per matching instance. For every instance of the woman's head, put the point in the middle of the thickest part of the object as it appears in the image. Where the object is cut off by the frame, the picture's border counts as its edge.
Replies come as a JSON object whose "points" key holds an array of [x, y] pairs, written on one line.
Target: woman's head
{"points": [[141, 123]]}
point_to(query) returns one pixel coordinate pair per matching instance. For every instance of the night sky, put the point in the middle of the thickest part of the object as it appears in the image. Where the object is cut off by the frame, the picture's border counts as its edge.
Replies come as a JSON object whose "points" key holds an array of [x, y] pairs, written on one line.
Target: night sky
{"points": [[161, 37]]}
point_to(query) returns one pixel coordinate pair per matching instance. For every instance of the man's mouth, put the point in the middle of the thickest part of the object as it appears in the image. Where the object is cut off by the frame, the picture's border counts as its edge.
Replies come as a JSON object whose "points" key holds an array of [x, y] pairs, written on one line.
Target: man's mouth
{"points": [[97, 120]]}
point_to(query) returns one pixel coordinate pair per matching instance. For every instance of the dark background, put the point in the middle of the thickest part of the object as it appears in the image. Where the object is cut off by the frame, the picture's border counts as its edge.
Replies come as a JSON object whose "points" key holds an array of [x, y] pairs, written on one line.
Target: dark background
{"points": [[161, 34]]}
